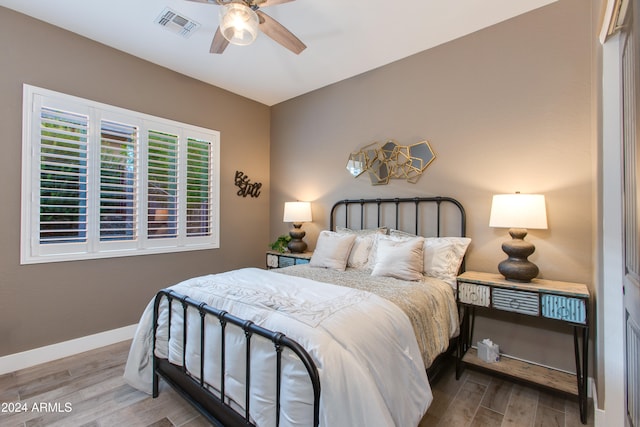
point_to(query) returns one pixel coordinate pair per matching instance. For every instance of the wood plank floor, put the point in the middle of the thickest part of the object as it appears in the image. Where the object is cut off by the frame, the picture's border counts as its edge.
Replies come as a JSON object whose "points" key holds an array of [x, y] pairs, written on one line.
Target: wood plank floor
{"points": [[481, 400], [88, 390]]}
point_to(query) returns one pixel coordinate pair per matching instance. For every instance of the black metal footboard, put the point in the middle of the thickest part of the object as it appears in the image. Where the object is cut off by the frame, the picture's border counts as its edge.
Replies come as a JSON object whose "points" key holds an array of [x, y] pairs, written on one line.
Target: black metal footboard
{"points": [[212, 402]]}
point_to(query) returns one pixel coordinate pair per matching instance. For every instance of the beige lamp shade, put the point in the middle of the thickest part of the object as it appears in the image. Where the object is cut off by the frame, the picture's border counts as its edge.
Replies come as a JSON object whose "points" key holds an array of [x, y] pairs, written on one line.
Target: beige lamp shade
{"points": [[297, 212], [518, 211]]}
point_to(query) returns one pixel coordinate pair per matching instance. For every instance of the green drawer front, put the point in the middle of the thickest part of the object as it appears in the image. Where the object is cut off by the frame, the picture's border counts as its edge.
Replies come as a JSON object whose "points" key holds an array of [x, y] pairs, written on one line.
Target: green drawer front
{"points": [[286, 261], [564, 308]]}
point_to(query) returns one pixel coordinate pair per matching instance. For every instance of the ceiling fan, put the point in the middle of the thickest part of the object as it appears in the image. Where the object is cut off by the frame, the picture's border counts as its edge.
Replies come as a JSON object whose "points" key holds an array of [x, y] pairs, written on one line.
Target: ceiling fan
{"points": [[240, 21]]}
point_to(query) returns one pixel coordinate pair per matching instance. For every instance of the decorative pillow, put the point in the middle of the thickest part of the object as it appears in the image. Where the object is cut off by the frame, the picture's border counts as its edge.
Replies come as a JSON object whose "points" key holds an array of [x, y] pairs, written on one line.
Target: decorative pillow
{"points": [[361, 250], [378, 237], [443, 257], [332, 250], [402, 259], [399, 233], [364, 231]]}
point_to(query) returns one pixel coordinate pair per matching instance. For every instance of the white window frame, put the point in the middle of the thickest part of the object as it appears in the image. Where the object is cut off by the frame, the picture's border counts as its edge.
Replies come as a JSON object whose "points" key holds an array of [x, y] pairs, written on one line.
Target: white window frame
{"points": [[33, 251]]}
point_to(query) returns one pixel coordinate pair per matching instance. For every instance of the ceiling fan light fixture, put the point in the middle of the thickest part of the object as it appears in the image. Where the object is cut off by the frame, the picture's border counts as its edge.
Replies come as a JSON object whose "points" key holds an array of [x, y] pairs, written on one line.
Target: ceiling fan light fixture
{"points": [[238, 23]]}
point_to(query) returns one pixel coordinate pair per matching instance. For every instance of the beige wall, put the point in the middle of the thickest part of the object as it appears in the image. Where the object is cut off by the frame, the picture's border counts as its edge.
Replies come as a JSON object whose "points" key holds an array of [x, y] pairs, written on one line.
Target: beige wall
{"points": [[506, 109], [48, 303]]}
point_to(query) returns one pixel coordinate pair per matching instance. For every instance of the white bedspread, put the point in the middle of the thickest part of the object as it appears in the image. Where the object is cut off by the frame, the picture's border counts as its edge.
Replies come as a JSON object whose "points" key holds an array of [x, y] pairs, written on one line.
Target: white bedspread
{"points": [[370, 366]]}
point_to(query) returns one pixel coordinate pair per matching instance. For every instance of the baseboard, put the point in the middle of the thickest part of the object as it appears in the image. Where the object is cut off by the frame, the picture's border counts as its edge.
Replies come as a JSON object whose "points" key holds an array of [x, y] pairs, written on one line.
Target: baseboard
{"points": [[599, 418], [27, 359]]}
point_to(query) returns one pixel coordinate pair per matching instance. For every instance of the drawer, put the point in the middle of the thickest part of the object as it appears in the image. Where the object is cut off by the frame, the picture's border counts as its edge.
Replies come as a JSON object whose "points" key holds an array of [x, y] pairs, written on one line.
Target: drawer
{"points": [[564, 308], [516, 301], [272, 261], [470, 293], [286, 261]]}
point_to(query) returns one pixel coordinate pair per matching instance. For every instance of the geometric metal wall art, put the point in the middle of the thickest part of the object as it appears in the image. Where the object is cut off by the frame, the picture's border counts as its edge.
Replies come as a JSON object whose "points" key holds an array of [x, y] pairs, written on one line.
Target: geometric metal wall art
{"points": [[391, 160]]}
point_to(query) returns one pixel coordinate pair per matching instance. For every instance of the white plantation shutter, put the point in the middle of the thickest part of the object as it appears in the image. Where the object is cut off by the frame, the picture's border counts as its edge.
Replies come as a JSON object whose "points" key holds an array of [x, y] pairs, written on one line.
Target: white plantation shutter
{"points": [[63, 176], [162, 186], [118, 181], [198, 187], [99, 181]]}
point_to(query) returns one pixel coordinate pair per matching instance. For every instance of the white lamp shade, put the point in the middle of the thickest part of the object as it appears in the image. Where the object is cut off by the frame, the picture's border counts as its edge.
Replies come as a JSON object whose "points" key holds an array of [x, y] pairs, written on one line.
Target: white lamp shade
{"points": [[297, 212], [238, 23], [518, 211]]}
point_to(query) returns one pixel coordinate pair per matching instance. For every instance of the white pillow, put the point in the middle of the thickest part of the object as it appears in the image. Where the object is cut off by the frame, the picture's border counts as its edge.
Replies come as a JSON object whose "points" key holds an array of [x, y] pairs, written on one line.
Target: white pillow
{"points": [[443, 257], [361, 250], [378, 237], [401, 259], [399, 233], [364, 231], [332, 250]]}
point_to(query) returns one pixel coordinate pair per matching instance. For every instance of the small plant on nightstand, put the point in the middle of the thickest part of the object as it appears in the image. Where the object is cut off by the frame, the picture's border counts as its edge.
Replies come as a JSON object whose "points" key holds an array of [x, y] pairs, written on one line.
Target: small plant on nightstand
{"points": [[281, 243]]}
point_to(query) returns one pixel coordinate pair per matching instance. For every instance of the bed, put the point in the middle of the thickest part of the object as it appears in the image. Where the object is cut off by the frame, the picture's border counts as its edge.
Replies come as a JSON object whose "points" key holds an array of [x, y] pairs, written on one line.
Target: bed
{"points": [[352, 338]]}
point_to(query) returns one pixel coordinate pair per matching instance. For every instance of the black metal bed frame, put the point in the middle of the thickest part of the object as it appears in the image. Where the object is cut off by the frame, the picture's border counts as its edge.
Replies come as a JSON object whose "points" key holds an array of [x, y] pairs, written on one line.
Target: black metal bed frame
{"points": [[438, 201], [213, 404], [197, 391]]}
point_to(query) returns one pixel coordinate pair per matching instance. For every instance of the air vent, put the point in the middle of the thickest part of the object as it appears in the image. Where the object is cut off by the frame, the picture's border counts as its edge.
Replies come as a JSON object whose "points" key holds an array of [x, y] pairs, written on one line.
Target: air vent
{"points": [[176, 23]]}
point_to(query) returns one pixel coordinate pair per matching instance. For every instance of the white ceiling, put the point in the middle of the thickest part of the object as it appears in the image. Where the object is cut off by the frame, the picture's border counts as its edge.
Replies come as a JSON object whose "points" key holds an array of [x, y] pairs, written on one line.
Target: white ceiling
{"points": [[343, 37]]}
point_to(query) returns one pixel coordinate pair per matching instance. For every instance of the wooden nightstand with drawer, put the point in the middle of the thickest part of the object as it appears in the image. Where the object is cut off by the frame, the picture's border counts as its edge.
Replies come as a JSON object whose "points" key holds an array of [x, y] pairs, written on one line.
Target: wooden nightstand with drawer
{"points": [[560, 301]]}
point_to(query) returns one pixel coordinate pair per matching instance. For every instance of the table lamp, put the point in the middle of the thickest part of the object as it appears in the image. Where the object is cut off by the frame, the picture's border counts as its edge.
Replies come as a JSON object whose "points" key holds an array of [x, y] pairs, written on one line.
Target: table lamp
{"points": [[297, 213], [518, 212]]}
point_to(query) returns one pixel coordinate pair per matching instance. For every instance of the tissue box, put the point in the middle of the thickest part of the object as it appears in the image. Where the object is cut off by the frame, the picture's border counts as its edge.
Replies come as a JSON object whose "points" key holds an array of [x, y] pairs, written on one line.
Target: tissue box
{"points": [[488, 351]]}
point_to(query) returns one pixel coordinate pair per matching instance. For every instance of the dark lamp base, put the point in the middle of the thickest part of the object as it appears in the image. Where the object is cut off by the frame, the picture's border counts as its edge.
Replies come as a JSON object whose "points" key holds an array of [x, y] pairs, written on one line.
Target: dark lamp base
{"points": [[297, 245], [517, 267], [518, 270]]}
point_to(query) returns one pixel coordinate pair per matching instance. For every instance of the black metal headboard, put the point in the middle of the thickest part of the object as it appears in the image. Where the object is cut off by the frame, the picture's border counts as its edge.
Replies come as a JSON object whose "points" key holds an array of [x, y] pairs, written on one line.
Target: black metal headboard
{"points": [[431, 216]]}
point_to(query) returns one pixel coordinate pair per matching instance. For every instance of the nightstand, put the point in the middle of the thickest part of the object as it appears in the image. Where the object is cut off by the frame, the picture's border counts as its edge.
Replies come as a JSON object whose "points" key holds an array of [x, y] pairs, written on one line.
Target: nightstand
{"points": [[564, 302], [277, 259]]}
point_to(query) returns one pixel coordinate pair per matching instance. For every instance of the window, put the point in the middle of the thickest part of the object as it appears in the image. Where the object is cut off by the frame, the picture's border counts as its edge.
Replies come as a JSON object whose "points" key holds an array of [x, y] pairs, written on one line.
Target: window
{"points": [[100, 181]]}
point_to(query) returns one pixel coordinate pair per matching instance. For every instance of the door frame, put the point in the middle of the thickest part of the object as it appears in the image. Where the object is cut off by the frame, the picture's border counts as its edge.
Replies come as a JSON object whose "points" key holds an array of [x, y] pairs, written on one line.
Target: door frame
{"points": [[610, 411]]}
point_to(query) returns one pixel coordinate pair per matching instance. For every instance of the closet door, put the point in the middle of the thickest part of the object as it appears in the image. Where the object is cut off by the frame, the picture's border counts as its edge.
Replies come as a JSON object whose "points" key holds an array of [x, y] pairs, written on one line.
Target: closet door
{"points": [[631, 208]]}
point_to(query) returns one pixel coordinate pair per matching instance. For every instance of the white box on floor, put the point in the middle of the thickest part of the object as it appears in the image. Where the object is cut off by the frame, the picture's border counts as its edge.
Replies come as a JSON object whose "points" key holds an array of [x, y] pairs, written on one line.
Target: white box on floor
{"points": [[488, 351]]}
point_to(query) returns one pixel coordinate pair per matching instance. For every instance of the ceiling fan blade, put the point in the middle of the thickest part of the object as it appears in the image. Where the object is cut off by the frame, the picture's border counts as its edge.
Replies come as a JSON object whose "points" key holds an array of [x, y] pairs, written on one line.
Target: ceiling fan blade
{"points": [[264, 3], [280, 34], [206, 1], [219, 43]]}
